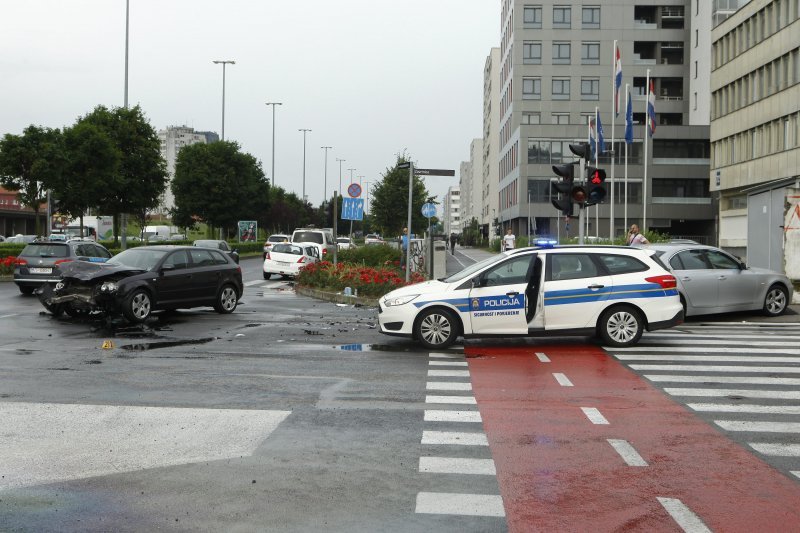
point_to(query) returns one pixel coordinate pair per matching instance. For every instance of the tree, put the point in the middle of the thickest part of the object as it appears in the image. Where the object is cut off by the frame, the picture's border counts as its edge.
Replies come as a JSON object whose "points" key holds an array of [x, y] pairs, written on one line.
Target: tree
{"points": [[389, 203], [29, 163], [141, 177], [219, 185]]}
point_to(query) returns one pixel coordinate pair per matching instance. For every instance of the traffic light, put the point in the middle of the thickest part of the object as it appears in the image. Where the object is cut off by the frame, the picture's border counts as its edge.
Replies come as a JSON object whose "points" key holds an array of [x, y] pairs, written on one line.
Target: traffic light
{"points": [[565, 190], [595, 179], [582, 150]]}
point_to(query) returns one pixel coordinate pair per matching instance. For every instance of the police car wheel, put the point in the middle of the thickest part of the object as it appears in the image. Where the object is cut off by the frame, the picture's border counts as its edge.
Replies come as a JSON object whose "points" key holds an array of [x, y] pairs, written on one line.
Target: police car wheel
{"points": [[436, 328], [621, 326]]}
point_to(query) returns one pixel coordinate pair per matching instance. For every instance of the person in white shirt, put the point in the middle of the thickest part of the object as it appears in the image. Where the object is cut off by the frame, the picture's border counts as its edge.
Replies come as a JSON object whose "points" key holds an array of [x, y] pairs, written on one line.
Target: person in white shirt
{"points": [[509, 240], [634, 237]]}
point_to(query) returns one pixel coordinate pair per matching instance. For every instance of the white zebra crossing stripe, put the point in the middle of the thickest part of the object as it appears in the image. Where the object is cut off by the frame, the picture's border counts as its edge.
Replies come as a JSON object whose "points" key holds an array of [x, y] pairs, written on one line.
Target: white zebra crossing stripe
{"points": [[720, 368], [452, 416], [627, 452], [796, 473], [710, 349], [542, 357], [447, 363], [461, 400], [745, 380], [755, 409], [460, 504], [448, 385], [771, 394], [759, 427], [562, 379], [457, 465], [448, 373], [706, 358], [714, 342], [683, 516], [439, 355], [778, 450], [710, 335], [594, 415], [454, 437]]}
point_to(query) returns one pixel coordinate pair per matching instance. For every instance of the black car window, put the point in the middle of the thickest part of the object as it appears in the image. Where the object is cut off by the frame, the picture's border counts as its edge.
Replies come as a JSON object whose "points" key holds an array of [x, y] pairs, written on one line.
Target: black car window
{"points": [[571, 266], [138, 258], [690, 260], [223, 246], [513, 271], [621, 264], [46, 250], [308, 236], [202, 258], [177, 260], [720, 260], [219, 258]]}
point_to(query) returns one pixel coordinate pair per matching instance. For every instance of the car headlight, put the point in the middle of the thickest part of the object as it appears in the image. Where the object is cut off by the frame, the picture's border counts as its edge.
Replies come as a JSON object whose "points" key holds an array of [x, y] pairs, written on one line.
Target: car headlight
{"points": [[108, 286], [399, 300]]}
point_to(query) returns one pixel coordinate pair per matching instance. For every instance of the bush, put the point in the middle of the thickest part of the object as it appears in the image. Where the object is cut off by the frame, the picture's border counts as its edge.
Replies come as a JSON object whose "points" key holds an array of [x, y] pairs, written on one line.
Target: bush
{"points": [[7, 265], [367, 281], [371, 256]]}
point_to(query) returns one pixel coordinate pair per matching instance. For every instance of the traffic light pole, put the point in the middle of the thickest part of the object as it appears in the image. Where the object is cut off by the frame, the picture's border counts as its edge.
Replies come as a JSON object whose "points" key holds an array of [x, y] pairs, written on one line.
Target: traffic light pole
{"points": [[581, 207]]}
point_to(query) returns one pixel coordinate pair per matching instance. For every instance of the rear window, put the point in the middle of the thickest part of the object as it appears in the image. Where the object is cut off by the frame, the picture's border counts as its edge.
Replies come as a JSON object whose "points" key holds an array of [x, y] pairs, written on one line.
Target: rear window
{"points": [[622, 264], [308, 236], [277, 238], [46, 250], [287, 249]]}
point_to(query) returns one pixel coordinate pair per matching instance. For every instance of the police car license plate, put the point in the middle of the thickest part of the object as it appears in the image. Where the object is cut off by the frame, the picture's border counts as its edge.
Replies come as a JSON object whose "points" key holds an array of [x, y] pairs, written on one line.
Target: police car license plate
{"points": [[41, 270]]}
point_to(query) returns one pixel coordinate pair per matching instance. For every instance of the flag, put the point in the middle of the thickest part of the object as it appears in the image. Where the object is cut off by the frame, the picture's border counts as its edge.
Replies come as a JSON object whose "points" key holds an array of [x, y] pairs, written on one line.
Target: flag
{"points": [[617, 79], [601, 143], [592, 137], [629, 121], [651, 109]]}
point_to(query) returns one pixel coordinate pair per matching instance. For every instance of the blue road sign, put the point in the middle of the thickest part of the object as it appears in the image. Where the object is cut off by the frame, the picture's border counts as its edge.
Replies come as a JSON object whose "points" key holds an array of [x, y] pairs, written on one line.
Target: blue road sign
{"points": [[429, 210], [352, 209]]}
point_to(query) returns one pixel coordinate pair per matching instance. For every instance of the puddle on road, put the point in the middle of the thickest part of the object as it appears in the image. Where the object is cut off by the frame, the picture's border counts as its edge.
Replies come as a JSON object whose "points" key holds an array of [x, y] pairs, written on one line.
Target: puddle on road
{"points": [[144, 346]]}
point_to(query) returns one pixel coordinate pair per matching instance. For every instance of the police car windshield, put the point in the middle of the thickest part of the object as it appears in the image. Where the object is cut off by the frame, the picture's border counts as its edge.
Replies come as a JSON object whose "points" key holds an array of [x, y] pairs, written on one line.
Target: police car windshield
{"points": [[470, 270]]}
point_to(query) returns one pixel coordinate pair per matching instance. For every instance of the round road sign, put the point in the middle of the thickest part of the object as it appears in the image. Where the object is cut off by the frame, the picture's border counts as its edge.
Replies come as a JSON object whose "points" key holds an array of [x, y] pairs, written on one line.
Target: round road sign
{"points": [[429, 210], [354, 190]]}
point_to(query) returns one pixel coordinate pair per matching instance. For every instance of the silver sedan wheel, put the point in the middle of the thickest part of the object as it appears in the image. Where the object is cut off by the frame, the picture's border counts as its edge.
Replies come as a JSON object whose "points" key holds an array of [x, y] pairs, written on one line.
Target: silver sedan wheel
{"points": [[622, 327], [227, 299], [775, 302], [140, 305], [435, 329]]}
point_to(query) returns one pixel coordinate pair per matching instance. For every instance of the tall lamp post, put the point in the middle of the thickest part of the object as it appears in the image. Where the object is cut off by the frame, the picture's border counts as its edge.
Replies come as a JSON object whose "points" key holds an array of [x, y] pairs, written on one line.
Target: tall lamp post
{"points": [[304, 130], [273, 104], [351, 174], [325, 195], [224, 63], [124, 217], [340, 174]]}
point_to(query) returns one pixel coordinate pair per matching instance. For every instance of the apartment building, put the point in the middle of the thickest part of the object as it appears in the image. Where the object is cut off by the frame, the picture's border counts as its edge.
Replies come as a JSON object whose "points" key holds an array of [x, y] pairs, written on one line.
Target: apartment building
{"points": [[491, 128], [755, 132], [556, 67], [173, 138], [451, 220]]}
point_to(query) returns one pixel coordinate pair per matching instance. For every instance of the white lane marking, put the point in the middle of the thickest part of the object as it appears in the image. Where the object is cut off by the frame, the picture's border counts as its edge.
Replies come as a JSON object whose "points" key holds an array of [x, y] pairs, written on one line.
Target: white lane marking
{"points": [[9, 316], [457, 465], [778, 450], [542, 357], [447, 385], [48, 443], [562, 379], [461, 400], [448, 363], [459, 504], [720, 368], [448, 373], [758, 409], [454, 437], [739, 343], [771, 394], [706, 358], [759, 427], [594, 415], [253, 282], [685, 518], [709, 335], [454, 256], [742, 380], [796, 472], [627, 452], [439, 355], [452, 416], [710, 349]]}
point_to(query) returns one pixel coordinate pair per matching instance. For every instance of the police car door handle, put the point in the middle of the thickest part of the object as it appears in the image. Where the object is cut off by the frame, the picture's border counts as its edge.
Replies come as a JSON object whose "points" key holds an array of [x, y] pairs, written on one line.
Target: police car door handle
{"points": [[595, 286], [512, 294]]}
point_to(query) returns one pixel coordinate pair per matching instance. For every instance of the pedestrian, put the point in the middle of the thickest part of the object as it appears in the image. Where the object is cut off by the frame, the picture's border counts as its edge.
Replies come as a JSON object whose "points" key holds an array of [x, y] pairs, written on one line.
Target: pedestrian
{"points": [[453, 240], [634, 237], [509, 240], [404, 249]]}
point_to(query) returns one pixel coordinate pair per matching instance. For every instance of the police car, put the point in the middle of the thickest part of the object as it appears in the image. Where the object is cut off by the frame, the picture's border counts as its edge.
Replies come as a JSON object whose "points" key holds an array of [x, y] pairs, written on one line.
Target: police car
{"points": [[613, 292]]}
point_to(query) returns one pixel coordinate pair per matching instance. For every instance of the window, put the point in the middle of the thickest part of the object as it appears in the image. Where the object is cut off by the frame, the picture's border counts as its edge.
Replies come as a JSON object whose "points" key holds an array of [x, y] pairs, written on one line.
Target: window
{"points": [[531, 88], [621, 264], [590, 53], [511, 272], [532, 53], [590, 17], [590, 89], [561, 89], [559, 118], [202, 258], [570, 266], [532, 16], [721, 261], [539, 191], [562, 16], [219, 258], [178, 260], [689, 260], [531, 118], [561, 53]]}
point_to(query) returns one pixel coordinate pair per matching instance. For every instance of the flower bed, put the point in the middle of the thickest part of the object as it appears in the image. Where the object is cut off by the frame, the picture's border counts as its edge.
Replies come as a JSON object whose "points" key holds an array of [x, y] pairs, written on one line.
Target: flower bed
{"points": [[7, 265], [368, 281]]}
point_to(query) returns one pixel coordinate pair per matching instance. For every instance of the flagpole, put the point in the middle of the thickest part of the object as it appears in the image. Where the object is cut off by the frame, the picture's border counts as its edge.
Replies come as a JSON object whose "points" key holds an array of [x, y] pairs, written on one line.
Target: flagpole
{"points": [[627, 96], [597, 165], [589, 138], [646, 135], [614, 106]]}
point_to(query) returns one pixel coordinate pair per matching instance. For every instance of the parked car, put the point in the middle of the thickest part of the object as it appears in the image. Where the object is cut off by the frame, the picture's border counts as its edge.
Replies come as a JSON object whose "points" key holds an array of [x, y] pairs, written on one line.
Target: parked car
{"points": [[177, 237], [57, 237], [140, 280], [711, 280], [373, 238], [273, 239], [322, 238], [613, 292], [219, 245], [21, 239], [345, 243], [42, 262], [287, 259]]}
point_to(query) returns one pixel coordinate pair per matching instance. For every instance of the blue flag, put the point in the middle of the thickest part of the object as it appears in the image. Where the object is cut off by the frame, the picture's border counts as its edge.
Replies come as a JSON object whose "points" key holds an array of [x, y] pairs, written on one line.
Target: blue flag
{"points": [[629, 121], [601, 143]]}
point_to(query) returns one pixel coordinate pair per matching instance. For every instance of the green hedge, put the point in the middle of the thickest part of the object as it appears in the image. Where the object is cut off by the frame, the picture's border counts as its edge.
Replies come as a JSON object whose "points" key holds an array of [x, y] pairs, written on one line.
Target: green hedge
{"points": [[371, 256]]}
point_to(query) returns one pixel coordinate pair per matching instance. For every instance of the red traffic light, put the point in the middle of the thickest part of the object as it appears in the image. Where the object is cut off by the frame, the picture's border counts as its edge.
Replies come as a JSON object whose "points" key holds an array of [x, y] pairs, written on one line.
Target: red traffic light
{"points": [[595, 176]]}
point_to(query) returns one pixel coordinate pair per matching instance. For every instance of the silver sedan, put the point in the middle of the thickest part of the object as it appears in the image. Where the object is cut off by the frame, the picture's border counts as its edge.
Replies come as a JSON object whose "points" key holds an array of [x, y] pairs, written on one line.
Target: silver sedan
{"points": [[711, 280]]}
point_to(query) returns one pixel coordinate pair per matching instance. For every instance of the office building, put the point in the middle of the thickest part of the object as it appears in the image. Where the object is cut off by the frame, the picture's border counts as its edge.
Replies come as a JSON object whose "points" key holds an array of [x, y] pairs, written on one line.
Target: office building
{"points": [[172, 140], [451, 220]]}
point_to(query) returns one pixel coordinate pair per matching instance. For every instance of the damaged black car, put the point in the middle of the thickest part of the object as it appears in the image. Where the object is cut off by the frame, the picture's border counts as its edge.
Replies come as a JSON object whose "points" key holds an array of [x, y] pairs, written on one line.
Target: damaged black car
{"points": [[141, 280]]}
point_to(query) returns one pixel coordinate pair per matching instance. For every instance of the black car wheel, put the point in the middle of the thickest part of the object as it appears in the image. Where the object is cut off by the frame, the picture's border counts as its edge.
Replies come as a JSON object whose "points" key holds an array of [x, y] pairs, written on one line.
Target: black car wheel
{"points": [[138, 306], [226, 300], [267, 275], [620, 326], [775, 301], [26, 290], [436, 328]]}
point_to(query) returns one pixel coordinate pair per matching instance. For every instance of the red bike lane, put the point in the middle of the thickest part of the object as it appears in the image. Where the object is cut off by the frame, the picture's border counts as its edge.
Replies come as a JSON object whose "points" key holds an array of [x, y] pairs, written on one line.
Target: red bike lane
{"points": [[558, 471]]}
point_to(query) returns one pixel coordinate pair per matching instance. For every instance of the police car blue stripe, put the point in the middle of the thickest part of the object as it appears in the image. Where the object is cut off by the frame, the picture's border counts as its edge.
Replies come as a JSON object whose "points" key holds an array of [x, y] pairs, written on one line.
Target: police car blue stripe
{"points": [[622, 292], [462, 304]]}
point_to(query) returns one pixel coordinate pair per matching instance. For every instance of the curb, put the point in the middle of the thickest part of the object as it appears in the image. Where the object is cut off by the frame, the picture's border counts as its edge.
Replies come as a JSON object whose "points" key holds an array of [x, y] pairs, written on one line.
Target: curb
{"points": [[336, 297]]}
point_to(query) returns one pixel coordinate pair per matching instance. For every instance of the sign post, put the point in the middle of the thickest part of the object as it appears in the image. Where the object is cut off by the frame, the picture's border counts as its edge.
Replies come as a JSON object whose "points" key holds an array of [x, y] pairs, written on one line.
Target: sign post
{"points": [[429, 211], [335, 214]]}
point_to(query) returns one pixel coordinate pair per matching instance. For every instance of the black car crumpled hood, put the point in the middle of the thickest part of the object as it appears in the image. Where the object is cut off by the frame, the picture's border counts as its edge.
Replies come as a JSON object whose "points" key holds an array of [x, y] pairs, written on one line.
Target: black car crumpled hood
{"points": [[86, 271]]}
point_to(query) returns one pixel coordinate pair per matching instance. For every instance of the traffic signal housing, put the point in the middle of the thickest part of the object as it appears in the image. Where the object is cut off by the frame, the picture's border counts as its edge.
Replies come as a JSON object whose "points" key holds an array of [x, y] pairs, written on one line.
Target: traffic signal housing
{"points": [[562, 189], [595, 182], [582, 150]]}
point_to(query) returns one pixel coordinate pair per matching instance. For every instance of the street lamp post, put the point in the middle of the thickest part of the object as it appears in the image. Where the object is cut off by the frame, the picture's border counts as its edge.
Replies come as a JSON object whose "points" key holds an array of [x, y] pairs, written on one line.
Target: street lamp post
{"points": [[340, 174], [224, 63], [366, 196], [273, 104], [325, 194], [123, 217], [304, 130], [351, 174]]}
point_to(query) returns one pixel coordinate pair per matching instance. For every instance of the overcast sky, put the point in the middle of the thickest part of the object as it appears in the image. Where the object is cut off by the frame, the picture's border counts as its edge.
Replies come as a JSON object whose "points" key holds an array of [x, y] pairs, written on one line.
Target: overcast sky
{"points": [[371, 78]]}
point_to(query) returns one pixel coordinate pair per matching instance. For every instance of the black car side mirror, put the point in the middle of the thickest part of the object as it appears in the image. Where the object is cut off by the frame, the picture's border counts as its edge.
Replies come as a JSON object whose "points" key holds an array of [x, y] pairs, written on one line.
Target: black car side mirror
{"points": [[165, 268]]}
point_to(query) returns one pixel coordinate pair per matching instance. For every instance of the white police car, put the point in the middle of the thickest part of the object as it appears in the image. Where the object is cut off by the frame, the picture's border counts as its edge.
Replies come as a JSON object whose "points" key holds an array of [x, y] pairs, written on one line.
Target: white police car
{"points": [[614, 292]]}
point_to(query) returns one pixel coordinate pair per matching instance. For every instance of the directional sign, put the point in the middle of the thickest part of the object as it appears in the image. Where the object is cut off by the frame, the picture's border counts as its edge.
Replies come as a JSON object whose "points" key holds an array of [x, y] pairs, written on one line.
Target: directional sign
{"points": [[352, 209], [407, 164], [433, 172], [354, 190], [429, 210]]}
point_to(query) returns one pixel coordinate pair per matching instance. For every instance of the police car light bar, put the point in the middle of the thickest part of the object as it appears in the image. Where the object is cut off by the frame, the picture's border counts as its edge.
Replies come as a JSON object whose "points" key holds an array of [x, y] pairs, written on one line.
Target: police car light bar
{"points": [[546, 243]]}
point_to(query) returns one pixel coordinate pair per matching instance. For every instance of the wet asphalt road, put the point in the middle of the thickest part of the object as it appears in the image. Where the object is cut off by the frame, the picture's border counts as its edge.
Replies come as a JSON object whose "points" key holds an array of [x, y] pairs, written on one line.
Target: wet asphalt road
{"points": [[290, 414]]}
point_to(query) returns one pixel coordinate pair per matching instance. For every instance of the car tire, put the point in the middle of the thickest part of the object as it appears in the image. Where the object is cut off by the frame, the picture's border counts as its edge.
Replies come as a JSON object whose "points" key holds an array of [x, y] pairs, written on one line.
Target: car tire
{"points": [[620, 326], [267, 275], [27, 291], [436, 328], [775, 301], [226, 300], [138, 306], [75, 313]]}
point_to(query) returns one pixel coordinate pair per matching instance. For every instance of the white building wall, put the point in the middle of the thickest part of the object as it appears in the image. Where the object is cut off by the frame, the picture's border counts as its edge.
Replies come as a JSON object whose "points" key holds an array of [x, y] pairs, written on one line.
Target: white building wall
{"points": [[476, 168], [699, 56], [452, 211], [491, 137], [465, 185], [172, 140]]}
